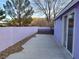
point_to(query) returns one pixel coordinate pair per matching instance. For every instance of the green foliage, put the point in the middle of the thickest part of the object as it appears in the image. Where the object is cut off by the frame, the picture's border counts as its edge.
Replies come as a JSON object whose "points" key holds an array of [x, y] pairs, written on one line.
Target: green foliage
{"points": [[2, 16], [19, 9], [24, 22]]}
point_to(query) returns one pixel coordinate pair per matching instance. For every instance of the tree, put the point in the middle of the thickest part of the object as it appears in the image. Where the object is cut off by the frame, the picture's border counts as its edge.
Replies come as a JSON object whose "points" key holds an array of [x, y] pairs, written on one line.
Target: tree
{"points": [[49, 8], [15, 22], [18, 9], [2, 14]]}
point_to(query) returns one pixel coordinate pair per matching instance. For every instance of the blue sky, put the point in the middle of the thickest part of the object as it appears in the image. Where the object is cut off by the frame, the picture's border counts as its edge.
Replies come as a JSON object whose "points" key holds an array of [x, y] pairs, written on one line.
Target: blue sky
{"points": [[1, 3], [42, 15], [35, 14]]}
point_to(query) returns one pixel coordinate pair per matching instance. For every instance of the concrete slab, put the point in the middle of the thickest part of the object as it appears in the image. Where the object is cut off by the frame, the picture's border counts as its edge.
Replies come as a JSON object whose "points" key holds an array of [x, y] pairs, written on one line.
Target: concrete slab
{"points": [[40, 47]]}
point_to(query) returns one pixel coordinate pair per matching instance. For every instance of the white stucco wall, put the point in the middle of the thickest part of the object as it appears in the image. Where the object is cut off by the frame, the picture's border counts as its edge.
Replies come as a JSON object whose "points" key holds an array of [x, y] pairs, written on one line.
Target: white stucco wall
{"points": [[11, 35]]}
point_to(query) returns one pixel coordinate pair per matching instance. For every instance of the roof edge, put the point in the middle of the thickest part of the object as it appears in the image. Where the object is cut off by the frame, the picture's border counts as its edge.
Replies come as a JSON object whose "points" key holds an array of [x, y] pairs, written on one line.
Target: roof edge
{"points": [[71, 4]]}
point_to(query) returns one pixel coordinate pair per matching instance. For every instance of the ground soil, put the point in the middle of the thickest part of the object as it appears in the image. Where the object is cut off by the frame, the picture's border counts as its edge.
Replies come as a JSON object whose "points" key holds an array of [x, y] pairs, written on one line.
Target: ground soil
{"points": [[15, 48]]}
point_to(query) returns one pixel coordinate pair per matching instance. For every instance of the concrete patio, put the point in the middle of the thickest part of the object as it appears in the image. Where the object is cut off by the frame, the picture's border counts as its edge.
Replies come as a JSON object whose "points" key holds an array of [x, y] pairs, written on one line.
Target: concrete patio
{"points": [[42, 46]]}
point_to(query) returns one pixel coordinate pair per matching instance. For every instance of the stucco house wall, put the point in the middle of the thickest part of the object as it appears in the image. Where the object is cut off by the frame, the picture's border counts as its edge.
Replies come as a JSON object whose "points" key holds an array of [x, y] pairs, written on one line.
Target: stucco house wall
{"points": [[58, 28], [76, 41]]}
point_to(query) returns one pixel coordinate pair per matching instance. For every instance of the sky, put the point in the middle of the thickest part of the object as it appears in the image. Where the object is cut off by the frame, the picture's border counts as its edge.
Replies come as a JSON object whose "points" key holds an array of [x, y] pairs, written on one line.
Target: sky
{"points": [[1, 3], [35, 14], [41, 15]]}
